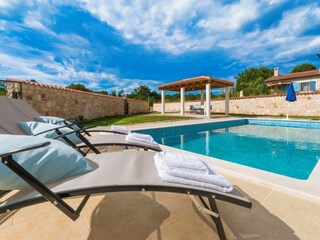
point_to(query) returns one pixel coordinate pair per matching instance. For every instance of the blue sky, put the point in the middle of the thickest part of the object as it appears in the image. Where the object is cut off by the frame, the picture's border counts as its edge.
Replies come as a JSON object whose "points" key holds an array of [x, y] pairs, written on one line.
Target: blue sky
{"points": [[123, 44]]}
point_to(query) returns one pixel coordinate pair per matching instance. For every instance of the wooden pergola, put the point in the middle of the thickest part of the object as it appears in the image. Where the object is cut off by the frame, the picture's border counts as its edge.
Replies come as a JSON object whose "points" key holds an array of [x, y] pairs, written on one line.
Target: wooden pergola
{"points": [[193, 84]]}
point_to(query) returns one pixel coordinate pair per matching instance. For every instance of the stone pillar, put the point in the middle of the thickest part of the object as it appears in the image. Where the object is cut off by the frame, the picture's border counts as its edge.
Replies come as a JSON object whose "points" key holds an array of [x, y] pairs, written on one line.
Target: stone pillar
{"points": [[227, 102], [202, 97], [208, 99], [182, 101], [162, 101]]}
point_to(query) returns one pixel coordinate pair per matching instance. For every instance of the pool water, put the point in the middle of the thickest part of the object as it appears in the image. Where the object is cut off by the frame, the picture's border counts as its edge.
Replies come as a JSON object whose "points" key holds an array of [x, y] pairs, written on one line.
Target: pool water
{"points": [[288, 151]]}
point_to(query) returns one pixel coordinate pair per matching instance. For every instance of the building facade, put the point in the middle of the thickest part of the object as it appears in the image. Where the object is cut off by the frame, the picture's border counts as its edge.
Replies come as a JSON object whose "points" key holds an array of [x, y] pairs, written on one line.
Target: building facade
{"points": [[308, 81]]}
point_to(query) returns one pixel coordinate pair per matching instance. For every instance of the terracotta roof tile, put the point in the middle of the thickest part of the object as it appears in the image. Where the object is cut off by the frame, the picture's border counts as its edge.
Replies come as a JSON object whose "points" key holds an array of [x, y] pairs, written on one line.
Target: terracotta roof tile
{"points": [[64, 89], [196, 83], [291, 76]]}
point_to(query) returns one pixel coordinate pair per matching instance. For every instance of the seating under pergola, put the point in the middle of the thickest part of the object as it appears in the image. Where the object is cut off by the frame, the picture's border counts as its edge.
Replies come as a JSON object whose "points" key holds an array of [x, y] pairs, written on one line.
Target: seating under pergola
{"points": [[195, 84]]}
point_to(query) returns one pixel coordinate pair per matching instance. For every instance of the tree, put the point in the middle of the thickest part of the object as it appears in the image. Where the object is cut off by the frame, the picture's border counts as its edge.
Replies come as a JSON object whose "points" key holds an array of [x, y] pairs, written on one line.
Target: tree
{"points": [[143, 92], [113, 93], [121, 93], [78, 86], [251, 81], [2, 88], [103, 92], [303, 67]]}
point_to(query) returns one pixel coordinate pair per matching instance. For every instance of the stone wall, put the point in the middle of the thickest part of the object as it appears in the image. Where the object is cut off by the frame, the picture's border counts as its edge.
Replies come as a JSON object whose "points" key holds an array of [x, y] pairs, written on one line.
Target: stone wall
{"points": [[307, 104], [68, 103]]}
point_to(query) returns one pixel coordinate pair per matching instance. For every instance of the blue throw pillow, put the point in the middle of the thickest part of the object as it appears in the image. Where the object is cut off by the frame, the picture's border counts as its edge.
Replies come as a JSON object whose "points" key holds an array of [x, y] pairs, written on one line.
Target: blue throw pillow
{"points": [[32, 128], [56, 120], [54, 162]]}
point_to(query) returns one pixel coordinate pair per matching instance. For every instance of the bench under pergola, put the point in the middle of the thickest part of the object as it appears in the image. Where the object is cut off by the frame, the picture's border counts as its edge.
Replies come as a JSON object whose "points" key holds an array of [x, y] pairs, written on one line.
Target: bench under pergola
{"points": [[195, 84]]}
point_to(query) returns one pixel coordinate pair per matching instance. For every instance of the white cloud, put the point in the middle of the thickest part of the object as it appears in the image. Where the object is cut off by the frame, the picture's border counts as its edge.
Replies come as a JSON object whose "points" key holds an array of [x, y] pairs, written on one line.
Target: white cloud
{"points": [[5, 4], [26, 68], [172, 26], [34, 20], [283, 41], [178, 26]]}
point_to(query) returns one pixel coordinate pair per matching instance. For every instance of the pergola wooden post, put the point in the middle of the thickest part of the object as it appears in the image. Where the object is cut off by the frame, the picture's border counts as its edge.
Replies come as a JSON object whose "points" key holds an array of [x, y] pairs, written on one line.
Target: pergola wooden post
{"points": [[195, 84], [163, 101], [202, 97], [182, 101], [226, 111], [208, 99]]}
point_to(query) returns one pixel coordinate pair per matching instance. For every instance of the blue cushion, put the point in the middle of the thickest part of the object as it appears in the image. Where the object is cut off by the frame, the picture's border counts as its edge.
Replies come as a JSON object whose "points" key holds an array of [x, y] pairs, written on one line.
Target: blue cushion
{"points": [[32, 128], [55, 162], [55, 120]]}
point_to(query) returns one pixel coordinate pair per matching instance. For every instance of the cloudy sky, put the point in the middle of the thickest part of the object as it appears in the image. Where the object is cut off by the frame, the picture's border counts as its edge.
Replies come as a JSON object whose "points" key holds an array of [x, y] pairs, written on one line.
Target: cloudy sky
{"points": [[123, 44]]}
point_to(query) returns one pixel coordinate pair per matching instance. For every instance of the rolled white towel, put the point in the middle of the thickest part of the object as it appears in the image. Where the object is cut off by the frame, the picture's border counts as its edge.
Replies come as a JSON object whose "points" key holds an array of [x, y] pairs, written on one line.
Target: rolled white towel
{"points": [[183, 161], [142, 141], [120, 129], [215, 179]]}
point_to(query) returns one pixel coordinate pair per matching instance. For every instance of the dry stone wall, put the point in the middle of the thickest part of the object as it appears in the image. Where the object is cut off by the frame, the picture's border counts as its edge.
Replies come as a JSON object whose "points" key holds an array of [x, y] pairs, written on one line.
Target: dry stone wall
{"points": [[307, 104], [68, 103]]}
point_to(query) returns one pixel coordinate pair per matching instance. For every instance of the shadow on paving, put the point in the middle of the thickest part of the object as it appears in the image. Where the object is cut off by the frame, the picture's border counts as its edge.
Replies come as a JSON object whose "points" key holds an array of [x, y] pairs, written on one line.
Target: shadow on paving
{"points": [[135, 215]]}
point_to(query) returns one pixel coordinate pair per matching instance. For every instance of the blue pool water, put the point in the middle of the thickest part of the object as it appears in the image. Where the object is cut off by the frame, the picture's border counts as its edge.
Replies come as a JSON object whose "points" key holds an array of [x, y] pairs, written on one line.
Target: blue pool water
{"points": [[282, 147]]}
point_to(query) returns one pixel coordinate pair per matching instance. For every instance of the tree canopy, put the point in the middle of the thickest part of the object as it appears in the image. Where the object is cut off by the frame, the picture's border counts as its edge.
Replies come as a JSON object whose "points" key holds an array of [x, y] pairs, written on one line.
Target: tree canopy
{"points": [[78, 86], [143, 92], [102, 92], [251, 81], [303, 67], [2, 88]]}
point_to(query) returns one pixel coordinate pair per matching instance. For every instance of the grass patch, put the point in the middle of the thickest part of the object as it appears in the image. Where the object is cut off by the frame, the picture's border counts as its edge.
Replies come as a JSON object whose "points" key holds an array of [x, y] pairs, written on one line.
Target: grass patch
{"points": [[132, 119]]}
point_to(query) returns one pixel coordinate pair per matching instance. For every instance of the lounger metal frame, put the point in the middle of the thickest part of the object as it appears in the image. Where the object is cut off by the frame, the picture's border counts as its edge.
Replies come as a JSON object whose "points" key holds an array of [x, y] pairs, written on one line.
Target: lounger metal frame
{"points": [[57, 198]]}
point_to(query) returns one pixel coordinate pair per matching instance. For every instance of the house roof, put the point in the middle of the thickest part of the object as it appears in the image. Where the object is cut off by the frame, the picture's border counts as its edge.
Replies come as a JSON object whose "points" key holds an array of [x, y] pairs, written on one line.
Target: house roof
{"points": [[196, 83], [291, 76]]}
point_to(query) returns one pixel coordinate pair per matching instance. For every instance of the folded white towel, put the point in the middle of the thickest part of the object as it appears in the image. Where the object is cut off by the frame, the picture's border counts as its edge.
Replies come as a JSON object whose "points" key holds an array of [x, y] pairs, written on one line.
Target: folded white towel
{"points": [[215, 179], [167, 178], [186, 168], [142, 136], [120, 129], [142, 141], [196, 174], [183, 161]]}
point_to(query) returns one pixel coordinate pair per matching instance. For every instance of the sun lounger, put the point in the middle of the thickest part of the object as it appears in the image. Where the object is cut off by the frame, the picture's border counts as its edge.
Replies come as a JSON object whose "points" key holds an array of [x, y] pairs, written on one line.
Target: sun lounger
{"points": [[197, 109], [9, 120], [30, 114], [114, 172]]}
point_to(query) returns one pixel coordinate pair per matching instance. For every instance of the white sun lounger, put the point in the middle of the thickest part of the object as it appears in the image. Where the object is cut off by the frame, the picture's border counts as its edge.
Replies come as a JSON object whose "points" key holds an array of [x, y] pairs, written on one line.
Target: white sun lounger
{"points": [[114, 172], [31, 113], [11, 116]]}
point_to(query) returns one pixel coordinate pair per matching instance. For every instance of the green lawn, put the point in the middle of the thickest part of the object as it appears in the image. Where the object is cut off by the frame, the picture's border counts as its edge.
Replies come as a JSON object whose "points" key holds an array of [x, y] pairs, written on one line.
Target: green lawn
{"points": [[131, 119]]}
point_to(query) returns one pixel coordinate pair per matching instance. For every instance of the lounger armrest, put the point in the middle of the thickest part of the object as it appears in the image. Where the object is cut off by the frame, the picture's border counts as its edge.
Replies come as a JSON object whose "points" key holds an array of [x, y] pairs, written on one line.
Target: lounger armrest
{"points": [[81, 137], [74, 131], [73, 120], [31, 147], [53, 129]]}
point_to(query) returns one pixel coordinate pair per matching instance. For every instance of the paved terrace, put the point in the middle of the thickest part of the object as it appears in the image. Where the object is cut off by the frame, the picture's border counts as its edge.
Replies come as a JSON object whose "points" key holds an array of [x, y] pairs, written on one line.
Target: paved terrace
{"points": [[276, 214]]}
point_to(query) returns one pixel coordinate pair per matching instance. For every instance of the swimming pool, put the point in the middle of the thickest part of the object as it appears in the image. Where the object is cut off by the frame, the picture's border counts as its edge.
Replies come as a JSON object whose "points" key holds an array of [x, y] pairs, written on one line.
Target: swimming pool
{"points": [[289, 148]]}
